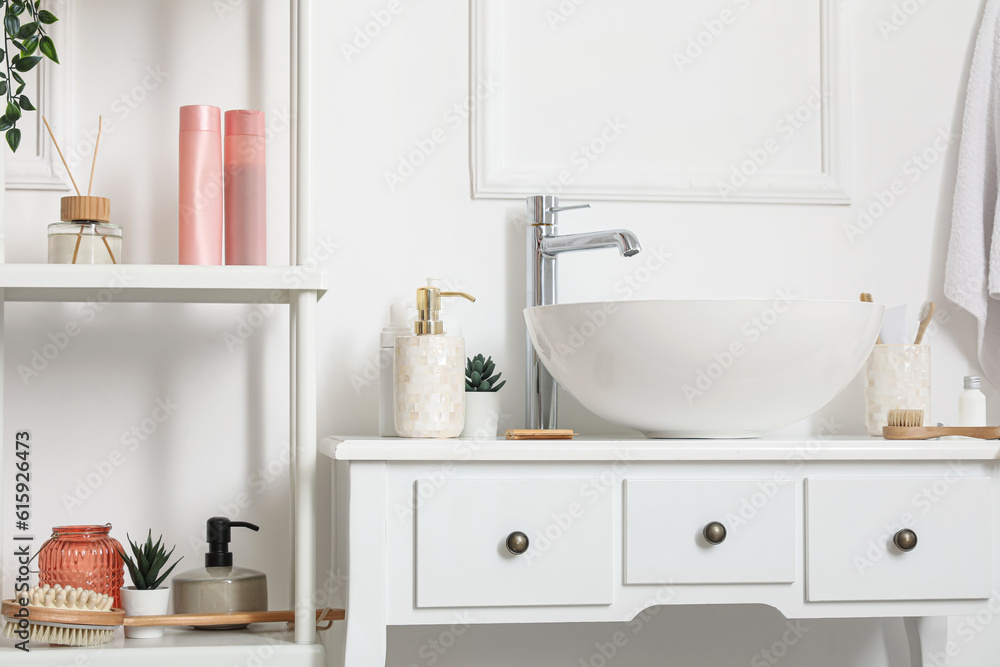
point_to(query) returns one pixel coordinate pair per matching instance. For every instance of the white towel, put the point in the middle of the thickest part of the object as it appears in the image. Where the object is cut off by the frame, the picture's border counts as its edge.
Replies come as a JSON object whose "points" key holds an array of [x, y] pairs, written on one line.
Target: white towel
{"points": [[972, 275]]}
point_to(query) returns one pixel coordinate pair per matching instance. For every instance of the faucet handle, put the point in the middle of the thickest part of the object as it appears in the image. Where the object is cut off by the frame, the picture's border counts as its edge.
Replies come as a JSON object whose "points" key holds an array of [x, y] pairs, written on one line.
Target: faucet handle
{"points": [[560, 209], [542, 209]]}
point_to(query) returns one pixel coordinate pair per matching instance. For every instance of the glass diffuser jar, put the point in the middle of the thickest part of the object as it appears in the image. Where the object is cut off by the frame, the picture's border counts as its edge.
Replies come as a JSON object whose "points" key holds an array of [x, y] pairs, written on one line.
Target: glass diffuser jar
{"points": [[85, 235], [84, 557]]}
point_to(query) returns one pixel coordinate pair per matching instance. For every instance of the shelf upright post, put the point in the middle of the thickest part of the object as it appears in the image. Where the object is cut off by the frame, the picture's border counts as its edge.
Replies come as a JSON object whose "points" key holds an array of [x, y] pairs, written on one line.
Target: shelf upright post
{"points": [[303, 337], [292, 261], [3, 307]]}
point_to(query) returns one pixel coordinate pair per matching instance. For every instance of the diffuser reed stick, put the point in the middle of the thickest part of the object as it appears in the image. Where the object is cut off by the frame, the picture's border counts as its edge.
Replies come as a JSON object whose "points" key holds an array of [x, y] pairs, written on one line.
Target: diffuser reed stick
{"points": [[59, 150], [97, 144]]}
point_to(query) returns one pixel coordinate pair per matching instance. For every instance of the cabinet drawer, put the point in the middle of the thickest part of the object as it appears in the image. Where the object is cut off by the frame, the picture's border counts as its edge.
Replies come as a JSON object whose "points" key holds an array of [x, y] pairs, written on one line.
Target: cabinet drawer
{"points": [[665, 521], [851, 525], [462, 559]]}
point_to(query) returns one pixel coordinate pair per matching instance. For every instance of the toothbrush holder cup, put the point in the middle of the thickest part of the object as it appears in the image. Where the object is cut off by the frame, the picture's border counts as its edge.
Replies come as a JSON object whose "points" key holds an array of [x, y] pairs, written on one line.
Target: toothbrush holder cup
{"points": [[896, 377]]}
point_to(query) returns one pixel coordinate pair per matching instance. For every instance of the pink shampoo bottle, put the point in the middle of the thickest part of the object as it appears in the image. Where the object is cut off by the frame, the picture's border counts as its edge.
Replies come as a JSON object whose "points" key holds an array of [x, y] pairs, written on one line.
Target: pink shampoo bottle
{"points": [[201, 190], [246, 187]]}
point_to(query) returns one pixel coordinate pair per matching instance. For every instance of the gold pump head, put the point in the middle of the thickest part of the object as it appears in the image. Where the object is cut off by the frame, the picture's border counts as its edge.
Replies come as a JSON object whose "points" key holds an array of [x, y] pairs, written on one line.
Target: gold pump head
{"points": [[429, 308]]}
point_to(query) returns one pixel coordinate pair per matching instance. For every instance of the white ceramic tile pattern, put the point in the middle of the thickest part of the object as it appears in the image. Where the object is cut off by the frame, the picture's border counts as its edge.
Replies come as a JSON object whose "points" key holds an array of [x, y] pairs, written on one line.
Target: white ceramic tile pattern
{"points": [[430, 386]]}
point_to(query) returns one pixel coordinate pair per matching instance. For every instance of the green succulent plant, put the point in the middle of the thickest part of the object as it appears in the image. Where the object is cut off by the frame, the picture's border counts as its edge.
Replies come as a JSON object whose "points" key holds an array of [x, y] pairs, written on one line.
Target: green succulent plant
{"points": [[479, 375], [148, 562]]}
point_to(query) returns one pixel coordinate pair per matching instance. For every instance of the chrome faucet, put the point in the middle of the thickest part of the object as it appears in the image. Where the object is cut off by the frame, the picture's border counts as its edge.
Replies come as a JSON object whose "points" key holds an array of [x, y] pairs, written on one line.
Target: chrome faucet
{"points": [[544, 244]]}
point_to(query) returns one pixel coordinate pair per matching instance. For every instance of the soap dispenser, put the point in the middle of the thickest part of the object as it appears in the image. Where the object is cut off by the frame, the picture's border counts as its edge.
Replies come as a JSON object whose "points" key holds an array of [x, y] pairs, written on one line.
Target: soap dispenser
{"points": [[220, 587], [429, 372]]}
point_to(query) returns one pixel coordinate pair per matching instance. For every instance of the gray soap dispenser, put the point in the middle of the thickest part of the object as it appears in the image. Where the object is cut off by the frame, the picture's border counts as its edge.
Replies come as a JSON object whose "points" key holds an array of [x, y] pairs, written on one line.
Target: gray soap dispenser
{"points": [[220, 587]]}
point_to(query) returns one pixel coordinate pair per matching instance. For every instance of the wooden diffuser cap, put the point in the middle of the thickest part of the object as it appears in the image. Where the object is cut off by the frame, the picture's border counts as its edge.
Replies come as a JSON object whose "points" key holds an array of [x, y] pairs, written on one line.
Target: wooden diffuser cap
{"points": [[97, 209]]}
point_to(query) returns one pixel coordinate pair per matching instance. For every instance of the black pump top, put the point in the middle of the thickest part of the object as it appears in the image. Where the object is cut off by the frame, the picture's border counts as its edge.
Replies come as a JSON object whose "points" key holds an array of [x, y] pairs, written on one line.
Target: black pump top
{"points": [[219, 537]]}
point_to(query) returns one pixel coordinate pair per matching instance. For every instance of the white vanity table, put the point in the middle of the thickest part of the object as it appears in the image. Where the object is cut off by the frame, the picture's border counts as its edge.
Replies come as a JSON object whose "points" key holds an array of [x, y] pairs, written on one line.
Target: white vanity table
{"points": [[445, 531]]}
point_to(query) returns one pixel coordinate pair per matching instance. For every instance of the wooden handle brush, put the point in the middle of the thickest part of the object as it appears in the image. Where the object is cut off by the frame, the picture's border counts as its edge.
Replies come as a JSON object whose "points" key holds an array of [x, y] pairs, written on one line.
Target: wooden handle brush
{"points": [[76, 627], [909, 425]]}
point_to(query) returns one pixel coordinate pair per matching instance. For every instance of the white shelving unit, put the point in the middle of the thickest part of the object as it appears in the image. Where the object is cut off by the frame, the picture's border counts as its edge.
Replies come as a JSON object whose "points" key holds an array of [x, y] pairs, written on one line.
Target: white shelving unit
{"points": [[299, 285]]}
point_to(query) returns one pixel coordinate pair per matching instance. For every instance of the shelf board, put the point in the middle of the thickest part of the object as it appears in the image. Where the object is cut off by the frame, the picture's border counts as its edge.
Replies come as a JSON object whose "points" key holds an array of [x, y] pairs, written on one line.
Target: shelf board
{"points": [[153, 283], [191, 648]]}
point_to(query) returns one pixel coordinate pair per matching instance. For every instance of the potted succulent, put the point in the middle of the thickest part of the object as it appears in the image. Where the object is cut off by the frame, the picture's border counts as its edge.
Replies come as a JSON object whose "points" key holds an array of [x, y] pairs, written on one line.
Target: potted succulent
{"points": [[482, 403], [145, 597]]}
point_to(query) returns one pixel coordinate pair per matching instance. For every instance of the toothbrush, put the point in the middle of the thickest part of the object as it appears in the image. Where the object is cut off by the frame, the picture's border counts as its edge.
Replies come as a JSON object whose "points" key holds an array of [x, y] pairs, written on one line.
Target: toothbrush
{"points": [[926, 314], [866, 297]]}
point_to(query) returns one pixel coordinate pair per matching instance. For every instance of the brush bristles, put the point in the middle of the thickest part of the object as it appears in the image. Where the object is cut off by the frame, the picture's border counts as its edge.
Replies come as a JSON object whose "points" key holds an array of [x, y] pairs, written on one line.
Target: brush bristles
{"points": [[925, 311], [906, 418], [40, 633]]}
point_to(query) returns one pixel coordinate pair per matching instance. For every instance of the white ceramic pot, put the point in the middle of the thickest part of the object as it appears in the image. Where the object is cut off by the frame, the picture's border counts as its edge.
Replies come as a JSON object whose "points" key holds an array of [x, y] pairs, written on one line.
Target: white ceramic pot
{"points": [[144, 603], [482, 414]]}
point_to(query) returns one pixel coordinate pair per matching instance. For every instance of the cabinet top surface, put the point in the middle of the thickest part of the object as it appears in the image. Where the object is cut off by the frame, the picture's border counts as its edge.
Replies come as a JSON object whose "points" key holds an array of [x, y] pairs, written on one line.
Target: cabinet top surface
{"points": [[860, 448]]}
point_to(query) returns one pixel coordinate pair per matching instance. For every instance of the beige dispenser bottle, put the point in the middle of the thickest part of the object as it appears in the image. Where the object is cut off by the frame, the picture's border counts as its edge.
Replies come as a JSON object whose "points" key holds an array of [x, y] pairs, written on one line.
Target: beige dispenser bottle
{"points": [[429, 373], [219, 587]]}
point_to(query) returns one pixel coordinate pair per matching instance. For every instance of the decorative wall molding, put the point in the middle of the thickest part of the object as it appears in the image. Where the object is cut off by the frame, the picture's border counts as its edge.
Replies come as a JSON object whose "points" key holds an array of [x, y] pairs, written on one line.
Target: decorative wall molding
{"points": [[36, 165], [493, 177]]}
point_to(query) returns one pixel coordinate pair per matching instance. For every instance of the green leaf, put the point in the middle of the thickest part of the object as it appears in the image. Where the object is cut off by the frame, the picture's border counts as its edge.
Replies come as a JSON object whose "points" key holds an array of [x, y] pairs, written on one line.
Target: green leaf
{"points": [[497, 388], [3, 88], [485, 386], [11, 24], [47, 17], [20, 89], [476, 378], [488, 369], [469, 387], [13, 112], [132, 571], [17, 77], [24, 102], [493, 380], [5, 124], [16, 8], [477, 365], [27, 30], [30, 45], [48, 47], [143, 557], [26, 63], [163, 577]]}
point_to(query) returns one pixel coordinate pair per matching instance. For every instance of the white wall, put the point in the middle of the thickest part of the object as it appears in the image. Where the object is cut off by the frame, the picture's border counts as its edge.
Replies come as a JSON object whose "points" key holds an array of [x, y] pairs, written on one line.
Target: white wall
{"points": [[232, 419]]}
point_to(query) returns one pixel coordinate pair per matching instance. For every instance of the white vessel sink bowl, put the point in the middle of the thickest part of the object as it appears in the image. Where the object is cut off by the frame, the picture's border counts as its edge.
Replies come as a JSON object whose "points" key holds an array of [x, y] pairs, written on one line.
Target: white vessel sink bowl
{"points": [[704, 369]]}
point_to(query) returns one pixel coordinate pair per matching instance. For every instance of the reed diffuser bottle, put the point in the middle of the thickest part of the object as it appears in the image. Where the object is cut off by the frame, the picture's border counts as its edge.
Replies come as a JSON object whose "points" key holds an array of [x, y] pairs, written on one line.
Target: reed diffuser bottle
{"points": [[85, 234]]}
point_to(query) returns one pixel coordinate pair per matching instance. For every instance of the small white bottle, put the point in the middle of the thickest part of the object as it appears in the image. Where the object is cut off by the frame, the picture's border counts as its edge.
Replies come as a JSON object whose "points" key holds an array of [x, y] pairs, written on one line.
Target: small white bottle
{"points": [[972, 404], [429, 369], [399, 325]]}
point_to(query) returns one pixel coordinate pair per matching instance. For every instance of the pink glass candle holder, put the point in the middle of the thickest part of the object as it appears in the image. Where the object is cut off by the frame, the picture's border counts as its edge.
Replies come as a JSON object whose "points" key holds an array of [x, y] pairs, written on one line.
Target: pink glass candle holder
{"points": [[85, 557]]}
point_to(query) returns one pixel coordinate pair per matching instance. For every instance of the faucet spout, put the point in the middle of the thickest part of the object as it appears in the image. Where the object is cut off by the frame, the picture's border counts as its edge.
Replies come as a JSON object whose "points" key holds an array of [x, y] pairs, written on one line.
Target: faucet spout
{"points": [[624, 240]]}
